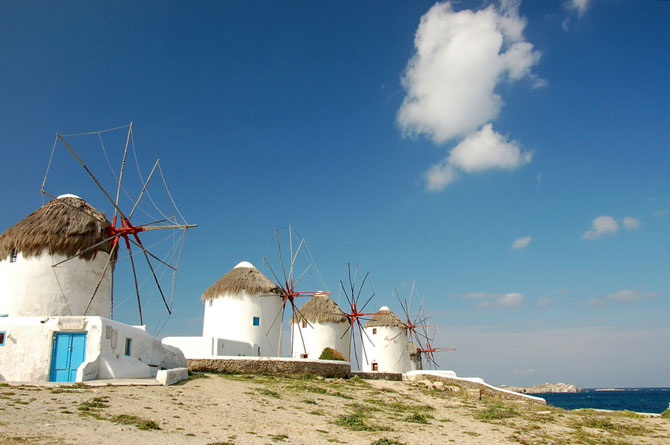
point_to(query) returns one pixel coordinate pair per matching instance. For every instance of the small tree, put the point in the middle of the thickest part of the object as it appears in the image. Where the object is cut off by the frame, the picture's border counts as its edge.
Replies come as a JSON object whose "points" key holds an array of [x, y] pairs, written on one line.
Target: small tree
{"points": [[331, 354]]}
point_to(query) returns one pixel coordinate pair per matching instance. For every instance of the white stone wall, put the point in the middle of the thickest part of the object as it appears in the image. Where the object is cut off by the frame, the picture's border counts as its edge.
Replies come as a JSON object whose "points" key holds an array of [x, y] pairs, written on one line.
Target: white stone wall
{"points": [[26, 354], [210, 347], [389, 349], [32, 287], [147, 353], [231, 317], [319, 336]]}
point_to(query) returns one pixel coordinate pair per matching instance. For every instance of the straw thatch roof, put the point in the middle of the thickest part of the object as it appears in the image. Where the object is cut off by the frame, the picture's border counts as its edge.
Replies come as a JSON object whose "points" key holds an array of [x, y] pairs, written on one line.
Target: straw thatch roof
{"points": [[384, 317], [239, 279], [65, 226], [320, 309]]}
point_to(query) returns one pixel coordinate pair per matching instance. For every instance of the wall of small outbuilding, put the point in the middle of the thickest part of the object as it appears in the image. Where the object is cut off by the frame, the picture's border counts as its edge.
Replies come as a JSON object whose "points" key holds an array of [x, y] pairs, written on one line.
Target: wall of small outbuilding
{"points": [[27, 351]]}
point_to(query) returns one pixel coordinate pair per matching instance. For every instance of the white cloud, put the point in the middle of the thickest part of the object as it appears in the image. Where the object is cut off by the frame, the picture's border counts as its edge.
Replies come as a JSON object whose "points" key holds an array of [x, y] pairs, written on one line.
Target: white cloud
{"points": [[450, 81], [628, 295], [460, 58], [440, 175], [491, 300], [624, 295], [630, 223], [483, 150], [578, 5], [520, 243], [602, 225]]}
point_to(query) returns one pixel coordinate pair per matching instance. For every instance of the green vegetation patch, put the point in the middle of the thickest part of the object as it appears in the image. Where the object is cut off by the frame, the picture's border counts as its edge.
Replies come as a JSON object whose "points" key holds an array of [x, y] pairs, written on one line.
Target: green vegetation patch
{"points": [[140, 423], [496, 412], [418, 418], [94, 404], [270, 393], [385, 441], [358, 421], [603, 423], [666, 414]]}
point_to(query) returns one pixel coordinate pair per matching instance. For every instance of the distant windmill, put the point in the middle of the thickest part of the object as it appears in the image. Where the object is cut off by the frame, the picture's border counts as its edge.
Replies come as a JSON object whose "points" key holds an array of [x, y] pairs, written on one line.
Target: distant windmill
{"points": [[356, 313], [288, 284], [417, 326]]}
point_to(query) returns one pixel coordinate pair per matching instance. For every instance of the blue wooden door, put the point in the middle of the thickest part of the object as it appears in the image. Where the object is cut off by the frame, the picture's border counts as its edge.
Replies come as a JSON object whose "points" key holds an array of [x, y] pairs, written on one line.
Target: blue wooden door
{"points": [[69, 351]]}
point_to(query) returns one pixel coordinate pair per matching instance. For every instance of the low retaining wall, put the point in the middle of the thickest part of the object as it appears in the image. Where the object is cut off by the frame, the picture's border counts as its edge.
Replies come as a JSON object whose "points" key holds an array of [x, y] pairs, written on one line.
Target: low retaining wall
{"points": [[394, 376], [271, 365], [474, 389]]}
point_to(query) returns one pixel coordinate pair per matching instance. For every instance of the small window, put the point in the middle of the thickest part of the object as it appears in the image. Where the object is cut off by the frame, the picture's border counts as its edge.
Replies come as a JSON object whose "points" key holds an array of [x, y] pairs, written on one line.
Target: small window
{"points": [[128, 349], [12, 256], [257, 321], [210, 303], [375, 367], [303, 355], [374, 331], [304, 324], [2, 338]]}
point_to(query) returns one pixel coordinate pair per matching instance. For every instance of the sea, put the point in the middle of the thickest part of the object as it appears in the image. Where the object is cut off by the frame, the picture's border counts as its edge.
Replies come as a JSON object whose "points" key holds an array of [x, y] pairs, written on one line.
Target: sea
{"points": [[642, 400]]}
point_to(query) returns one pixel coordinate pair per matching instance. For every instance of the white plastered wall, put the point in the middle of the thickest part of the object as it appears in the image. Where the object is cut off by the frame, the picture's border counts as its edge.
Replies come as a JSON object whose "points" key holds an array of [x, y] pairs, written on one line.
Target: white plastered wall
{"points": [[389, 349], [319, 336], [32, 287], [210, 347], [230, 317]]}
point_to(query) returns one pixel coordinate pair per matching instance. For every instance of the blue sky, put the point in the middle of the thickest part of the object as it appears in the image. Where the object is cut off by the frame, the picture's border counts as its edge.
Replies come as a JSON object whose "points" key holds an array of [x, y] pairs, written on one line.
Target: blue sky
{"points": [[531, 119]]}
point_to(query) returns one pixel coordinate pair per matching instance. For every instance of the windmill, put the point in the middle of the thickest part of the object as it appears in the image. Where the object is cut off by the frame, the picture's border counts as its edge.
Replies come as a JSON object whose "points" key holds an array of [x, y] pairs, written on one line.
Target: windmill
{"points": [[428, 350], [352, 292], [417, 326], [288, 284], [142, 191]]}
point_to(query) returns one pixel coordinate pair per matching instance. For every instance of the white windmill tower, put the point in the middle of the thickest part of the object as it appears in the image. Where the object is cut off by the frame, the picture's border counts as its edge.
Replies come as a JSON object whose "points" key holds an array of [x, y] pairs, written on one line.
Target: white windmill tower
{"points": [[240, 306], [386, 343], [320, 324], [60, 229]]}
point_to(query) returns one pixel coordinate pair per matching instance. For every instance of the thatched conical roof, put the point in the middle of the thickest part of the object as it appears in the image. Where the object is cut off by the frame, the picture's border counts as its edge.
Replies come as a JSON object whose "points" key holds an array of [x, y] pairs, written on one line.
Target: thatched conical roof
{"points": [[243, 277], [384, 317], [64, 226], [320, 309]]}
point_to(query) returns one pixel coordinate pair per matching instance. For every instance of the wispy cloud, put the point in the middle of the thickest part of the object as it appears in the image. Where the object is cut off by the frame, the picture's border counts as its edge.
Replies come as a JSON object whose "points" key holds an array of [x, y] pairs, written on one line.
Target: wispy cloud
{"points": [[602, 225], [624, 295], [460, 57], [579, 6], [607, 225], [492, 300], [521, 243], [543, 301], [630, 223]]}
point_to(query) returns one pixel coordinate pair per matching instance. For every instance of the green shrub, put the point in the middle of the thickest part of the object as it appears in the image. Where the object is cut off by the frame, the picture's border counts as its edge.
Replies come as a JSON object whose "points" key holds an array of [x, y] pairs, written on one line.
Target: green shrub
{"points": [[386, 441], [666, 414], [331, 354]]}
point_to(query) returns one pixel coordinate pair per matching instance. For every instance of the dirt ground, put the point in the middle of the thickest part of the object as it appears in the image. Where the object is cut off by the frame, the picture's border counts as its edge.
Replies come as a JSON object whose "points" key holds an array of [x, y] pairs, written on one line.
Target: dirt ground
{"points": [[245, 409]]}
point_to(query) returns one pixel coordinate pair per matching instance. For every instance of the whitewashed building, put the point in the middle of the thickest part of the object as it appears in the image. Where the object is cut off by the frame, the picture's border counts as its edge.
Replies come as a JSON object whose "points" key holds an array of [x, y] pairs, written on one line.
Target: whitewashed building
{"points": [[386, 344], [320, 324], [242, 317], [54, 325]]}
